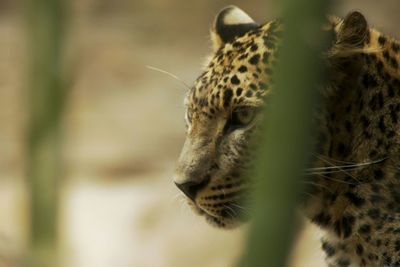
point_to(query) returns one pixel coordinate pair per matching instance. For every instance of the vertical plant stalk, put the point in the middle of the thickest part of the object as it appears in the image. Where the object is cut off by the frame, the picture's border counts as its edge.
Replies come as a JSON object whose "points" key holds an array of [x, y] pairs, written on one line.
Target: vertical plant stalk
{"points": [[45, 102], [286, 141]]}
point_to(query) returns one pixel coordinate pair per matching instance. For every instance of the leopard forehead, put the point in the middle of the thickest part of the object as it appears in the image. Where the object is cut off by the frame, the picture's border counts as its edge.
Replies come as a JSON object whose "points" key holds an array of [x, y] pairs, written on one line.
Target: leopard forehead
{"points": [[238, 74]]}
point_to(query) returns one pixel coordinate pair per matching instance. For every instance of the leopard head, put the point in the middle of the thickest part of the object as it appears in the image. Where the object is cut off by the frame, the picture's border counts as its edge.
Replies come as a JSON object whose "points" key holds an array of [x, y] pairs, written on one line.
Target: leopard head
{"points": [[223, 116]]}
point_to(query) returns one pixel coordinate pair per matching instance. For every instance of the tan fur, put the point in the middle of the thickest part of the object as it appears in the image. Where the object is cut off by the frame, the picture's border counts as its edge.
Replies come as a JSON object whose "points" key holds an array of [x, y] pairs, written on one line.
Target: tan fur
{"points": [[353, 181]]}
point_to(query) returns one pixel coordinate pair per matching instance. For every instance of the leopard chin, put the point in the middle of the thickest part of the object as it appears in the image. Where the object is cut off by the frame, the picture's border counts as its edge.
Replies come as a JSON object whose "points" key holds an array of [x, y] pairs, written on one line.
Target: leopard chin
{"points": [[225, 216]]}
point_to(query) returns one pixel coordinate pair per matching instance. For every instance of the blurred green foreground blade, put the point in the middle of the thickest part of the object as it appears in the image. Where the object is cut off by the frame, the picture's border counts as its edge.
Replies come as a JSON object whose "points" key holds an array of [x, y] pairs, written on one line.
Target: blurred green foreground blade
{"points": [[285, 144], [44, 105]]}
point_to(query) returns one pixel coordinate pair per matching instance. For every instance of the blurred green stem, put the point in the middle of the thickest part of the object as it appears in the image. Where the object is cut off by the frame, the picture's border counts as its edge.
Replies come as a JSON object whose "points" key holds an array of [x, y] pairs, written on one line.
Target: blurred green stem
{"points": [[286, 141], [45, 102]]}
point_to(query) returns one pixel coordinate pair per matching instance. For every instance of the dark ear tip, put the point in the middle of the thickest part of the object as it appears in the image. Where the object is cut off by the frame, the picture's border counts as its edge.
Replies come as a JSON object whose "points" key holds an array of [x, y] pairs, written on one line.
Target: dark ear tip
{"points": [[219, 20], [355, 14], [355, 19], [353, 31], [231, 21]]}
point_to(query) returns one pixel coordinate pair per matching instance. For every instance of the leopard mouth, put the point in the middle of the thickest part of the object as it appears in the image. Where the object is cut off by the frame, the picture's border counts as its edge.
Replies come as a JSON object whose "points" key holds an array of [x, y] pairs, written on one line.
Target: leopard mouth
{"points": [[218, 221], [227, 217]]}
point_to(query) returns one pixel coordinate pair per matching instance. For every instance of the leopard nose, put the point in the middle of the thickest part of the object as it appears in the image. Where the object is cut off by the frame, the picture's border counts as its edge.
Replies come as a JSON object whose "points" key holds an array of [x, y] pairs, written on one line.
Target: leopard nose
{"points": [[191, 188]]}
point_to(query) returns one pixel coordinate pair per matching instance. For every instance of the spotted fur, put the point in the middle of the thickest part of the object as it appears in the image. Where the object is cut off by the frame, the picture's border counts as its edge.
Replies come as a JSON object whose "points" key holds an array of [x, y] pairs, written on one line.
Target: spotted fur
{"points": [[353, 188]]}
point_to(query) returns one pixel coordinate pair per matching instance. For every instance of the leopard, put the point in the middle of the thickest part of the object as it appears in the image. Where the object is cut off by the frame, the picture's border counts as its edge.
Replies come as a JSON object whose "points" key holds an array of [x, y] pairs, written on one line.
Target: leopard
{"points": [[353, 189]]}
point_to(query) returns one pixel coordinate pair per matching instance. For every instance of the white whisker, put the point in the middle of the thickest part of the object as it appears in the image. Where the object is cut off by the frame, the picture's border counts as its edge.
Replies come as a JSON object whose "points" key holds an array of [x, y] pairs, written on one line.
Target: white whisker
{"points": [[169, 74], [237, 206], [232, 213], [344, 171], [333, 160], [355, 165], [336, 180], [330, 171]]}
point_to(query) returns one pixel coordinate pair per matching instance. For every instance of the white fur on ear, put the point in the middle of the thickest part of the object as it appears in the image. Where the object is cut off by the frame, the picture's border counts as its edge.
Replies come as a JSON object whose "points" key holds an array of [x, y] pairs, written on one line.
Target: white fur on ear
{"points": [[234, 15], [230, 23]]}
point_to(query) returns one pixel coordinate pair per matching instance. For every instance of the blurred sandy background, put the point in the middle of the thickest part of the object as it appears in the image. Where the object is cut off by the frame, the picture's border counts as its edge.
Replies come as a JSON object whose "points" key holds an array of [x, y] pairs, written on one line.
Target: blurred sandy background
{"points": [[123, 132]]}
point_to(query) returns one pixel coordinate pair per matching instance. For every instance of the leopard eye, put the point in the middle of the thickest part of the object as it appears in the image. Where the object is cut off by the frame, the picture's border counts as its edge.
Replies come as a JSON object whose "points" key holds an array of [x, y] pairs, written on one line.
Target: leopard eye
{"points": [[243, 116], [240, 118]]}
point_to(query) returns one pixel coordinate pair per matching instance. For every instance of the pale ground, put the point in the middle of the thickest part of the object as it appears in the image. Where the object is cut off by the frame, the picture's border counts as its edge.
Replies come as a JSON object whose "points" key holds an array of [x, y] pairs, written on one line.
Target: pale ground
{"points": [[124, 128]]}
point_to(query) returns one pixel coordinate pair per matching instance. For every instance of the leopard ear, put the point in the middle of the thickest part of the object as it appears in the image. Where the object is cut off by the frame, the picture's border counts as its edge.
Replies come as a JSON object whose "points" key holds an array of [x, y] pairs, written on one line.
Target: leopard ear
{"points": [[353, 31], [231, 22], [346, 62]]}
